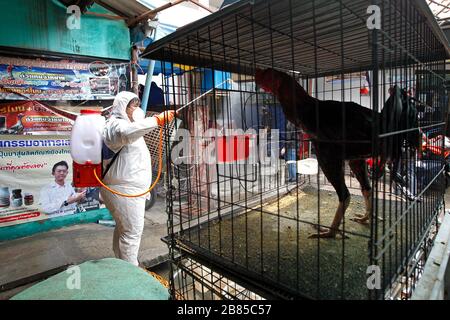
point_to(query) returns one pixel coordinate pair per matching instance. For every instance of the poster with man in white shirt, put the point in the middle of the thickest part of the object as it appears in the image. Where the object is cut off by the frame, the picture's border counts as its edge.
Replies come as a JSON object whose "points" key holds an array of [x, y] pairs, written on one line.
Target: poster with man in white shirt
{"points": [[36, 180], [59, 197]]}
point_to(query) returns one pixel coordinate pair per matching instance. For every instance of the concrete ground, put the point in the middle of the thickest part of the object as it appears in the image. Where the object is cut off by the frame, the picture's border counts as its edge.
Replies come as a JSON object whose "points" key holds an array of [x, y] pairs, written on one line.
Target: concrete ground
{"points": [[28, 256]]}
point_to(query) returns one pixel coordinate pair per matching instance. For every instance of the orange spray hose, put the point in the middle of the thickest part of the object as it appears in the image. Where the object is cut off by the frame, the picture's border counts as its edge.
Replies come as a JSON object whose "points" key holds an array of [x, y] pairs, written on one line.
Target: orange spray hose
{"points": [[154, 183]]}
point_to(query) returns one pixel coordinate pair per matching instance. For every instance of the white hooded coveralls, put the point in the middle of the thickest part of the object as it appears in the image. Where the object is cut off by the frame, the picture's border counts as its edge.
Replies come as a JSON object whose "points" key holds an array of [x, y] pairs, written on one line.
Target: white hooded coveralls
{"points": [[130, 174]]}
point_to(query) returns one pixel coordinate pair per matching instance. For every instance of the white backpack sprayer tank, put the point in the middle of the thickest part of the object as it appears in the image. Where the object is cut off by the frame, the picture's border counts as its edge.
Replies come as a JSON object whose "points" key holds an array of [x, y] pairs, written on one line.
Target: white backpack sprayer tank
{"points": [[86, 148]]}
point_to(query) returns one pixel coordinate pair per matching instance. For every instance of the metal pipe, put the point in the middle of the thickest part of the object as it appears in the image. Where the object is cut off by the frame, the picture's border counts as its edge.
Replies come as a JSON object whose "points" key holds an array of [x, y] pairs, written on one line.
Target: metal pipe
{"points": [[148, 80], [148, 85]]}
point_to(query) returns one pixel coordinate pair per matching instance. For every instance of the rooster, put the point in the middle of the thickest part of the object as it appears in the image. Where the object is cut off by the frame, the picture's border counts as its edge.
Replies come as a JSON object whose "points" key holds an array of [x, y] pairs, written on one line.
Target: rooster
{"points": [[343, 131]]}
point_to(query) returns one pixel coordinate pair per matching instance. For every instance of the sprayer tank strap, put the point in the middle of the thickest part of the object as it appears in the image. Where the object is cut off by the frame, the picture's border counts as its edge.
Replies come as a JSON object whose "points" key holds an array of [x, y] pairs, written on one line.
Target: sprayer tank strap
{"points": [[111, 163]]}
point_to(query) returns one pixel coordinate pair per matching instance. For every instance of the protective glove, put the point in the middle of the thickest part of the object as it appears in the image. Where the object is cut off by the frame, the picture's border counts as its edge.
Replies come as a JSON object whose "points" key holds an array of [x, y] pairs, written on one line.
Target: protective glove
{"points": [[166, 116]]}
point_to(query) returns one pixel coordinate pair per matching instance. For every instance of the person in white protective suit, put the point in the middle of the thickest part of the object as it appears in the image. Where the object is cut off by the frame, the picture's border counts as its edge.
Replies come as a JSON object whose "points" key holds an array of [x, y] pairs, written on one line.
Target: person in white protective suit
{"points": [[131, 171]]}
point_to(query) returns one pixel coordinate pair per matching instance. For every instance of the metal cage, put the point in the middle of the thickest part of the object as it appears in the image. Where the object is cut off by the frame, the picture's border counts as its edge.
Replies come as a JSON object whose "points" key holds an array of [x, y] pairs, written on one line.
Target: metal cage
{"points": [[381, 64]]}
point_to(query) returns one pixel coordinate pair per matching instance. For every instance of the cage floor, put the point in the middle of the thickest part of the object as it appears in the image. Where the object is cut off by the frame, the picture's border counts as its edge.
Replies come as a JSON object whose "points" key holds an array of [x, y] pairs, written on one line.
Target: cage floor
{"points": [[276, 245]]}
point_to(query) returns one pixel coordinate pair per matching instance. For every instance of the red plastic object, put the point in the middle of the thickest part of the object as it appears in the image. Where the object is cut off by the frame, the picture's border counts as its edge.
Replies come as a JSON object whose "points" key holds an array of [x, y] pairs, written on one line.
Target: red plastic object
{"points": [[364, 91], [83, 175], [304, 142], [89, 111], [233, 148]]}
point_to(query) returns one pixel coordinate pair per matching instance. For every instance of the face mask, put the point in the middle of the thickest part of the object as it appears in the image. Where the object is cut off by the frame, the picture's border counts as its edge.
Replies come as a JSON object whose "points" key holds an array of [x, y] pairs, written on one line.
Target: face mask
{"points": [[138, 114]]}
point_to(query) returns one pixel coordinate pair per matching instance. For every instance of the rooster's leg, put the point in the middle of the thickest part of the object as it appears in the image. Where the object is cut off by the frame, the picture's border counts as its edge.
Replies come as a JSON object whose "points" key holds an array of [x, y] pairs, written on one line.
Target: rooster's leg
{"points": [[334, 171], [359, 168]]}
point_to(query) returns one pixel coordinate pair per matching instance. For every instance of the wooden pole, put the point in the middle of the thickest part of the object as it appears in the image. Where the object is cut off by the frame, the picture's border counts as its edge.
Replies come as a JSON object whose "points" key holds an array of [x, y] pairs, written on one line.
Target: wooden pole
{"points": [[134, 72], [152, 13]]}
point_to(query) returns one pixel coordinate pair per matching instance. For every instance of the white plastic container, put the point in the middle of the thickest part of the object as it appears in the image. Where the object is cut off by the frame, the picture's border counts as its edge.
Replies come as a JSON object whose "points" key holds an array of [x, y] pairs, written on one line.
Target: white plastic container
{"points": [[308, 167], [86, 141], [86, 148]]}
